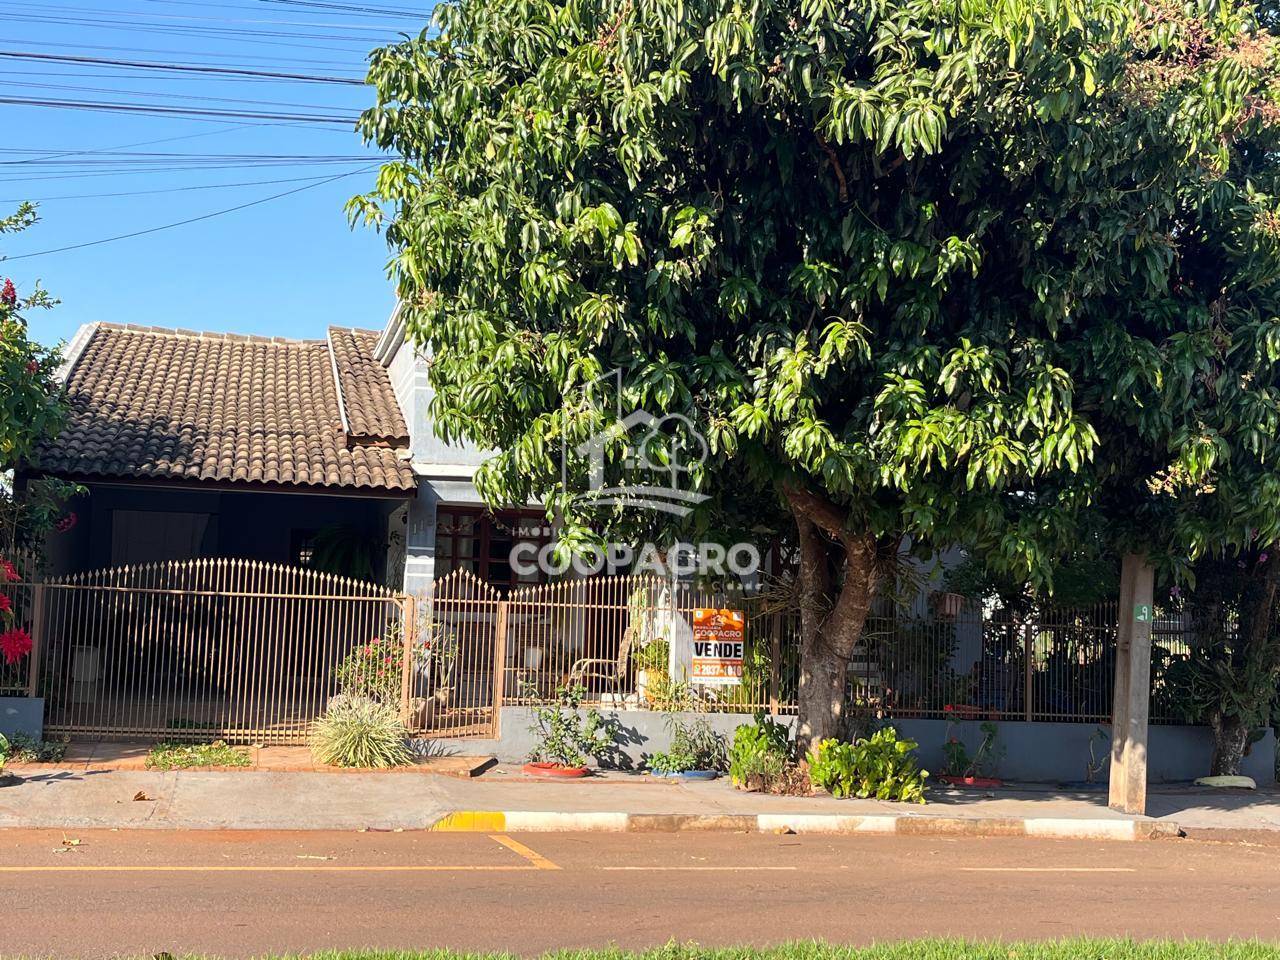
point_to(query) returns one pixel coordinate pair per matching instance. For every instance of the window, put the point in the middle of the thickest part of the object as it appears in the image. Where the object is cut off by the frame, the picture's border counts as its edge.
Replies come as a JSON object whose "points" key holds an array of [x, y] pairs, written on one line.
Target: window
{"points": [[302, 547], [482, 542]]}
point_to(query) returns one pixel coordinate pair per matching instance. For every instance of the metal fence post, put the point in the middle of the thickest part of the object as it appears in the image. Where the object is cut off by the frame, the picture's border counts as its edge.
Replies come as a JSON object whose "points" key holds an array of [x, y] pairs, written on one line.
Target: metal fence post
{"points": [[775, 663], [499, 663], [1028, 653], [409, 620], [37, 638]]}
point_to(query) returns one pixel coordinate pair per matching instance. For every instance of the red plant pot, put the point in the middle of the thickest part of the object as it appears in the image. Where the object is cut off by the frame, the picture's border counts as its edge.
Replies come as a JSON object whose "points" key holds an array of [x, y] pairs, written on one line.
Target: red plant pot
{"points": [[554, 771], [971, 781]]}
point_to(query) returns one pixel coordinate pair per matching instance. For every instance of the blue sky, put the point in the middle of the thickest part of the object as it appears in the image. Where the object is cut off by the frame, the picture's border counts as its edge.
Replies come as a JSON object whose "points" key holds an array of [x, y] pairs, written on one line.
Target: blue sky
{"points": [[286, 267]]}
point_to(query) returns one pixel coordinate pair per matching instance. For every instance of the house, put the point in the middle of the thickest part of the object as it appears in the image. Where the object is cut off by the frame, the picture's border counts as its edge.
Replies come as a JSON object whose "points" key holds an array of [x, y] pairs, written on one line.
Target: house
{"points": [[196, 445]]}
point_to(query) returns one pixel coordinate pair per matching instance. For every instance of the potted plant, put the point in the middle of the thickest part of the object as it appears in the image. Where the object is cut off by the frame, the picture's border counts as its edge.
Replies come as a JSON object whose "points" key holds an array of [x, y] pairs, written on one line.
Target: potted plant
{"points": [[650, 661], [567, 738], [976, 770], [697, 752]]}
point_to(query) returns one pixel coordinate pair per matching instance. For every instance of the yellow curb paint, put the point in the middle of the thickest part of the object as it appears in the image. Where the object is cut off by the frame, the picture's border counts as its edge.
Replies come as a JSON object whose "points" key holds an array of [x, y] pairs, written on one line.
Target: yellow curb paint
{"points": [[1048, 869], [472, 821], [720, 869], [538, 860]]}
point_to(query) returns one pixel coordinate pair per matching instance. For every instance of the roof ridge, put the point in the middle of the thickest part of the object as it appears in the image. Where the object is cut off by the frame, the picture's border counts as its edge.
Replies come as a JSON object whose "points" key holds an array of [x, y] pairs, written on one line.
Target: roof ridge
{"points": [[211, 335]]}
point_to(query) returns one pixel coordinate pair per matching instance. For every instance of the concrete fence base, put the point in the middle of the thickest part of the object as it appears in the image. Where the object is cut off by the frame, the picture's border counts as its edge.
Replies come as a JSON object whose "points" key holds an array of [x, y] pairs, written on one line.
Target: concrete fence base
{"points": [[1034, 751]]}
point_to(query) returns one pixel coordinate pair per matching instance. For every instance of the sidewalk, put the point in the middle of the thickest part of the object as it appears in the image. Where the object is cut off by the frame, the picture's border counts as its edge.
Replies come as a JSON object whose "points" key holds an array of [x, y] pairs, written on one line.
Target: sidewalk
{"points": [[503, 799]]}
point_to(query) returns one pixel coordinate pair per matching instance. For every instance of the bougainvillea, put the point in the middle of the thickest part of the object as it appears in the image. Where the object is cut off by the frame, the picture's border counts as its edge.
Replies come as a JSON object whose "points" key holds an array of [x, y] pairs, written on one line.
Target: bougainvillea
{"points": [[15, 644]]}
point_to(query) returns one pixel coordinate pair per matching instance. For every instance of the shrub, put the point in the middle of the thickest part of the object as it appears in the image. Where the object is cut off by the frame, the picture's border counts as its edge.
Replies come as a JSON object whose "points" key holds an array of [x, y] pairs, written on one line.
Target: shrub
{"points": [[360, 732], [178, 756], [372, 670], [760, 753], [24, 748], [881, 766], [565, 736], [694, 746]]}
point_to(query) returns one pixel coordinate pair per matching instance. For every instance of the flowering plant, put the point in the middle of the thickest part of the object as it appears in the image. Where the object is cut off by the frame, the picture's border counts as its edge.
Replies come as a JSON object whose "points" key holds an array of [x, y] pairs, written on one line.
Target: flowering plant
{"points": [[15, 642], [372, 670]]}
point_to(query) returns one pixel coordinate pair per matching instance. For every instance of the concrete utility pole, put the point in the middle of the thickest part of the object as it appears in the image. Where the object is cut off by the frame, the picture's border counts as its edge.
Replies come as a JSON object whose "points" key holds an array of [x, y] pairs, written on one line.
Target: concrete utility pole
{"points": [[1128, 785]]}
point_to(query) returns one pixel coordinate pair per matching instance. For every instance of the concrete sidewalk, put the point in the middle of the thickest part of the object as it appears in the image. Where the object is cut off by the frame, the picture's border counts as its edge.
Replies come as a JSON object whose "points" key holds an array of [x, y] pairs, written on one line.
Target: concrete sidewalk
{"points": [[503, 799]]}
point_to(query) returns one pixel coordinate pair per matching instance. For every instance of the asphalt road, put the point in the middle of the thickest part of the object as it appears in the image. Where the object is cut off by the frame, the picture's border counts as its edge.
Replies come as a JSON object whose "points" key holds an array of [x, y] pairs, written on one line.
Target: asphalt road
{"points": [[245, 893]]}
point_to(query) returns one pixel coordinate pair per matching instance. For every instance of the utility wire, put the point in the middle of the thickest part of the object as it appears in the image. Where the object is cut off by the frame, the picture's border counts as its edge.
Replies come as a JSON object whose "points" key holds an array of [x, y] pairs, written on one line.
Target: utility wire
{"points": [[193, 113], [171, 67], [183, 223], [183, 189]]}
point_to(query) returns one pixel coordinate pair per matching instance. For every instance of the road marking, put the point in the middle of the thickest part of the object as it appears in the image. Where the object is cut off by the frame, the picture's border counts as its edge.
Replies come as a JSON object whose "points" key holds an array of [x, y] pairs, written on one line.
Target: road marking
{"points": [[256, 868], [728, 869], [538, 860], [1049, 869]]}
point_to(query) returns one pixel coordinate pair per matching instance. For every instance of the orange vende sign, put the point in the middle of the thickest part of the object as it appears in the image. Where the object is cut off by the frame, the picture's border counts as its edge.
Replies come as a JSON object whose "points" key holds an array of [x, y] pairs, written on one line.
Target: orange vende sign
{"points": [[717, 646]]}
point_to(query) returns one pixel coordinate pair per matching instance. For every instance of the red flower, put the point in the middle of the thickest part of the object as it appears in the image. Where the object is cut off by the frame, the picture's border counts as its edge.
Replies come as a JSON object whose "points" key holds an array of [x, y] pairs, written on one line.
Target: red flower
{"points": [[9, 571], [9, 295], [6, 604], [32, 366], [67, 522], [948, 708], [15, 644]]}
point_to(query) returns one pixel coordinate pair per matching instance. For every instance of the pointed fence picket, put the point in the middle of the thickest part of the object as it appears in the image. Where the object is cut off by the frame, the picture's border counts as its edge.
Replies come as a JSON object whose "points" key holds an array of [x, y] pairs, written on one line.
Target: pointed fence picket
{"points": [[238, 649]]}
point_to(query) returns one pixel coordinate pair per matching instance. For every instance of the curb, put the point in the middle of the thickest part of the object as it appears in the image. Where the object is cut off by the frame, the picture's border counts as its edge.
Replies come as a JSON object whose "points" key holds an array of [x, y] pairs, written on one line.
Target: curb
{"points": [[530, 821]]}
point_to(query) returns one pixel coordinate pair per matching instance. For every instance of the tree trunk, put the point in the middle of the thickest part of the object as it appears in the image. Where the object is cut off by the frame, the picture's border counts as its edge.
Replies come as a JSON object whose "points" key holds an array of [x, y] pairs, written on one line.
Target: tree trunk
{"points": [[1230, 738], [839, 574]]}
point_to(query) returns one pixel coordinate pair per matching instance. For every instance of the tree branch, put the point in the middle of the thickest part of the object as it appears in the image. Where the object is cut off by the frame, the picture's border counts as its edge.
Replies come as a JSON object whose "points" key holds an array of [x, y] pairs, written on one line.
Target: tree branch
{"points": [[843, 191], [824, 514]]}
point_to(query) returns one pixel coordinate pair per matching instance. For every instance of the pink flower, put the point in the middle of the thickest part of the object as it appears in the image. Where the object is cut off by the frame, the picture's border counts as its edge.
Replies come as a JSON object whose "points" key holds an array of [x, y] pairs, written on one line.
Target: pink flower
{"points": [[67, 522], [9, 571], [9, 295], [15, 644], [6, 604]]}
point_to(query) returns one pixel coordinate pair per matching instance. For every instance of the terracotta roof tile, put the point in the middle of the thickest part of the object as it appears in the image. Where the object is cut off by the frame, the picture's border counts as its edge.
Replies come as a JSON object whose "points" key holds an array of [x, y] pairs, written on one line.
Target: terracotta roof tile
{"points": [[164, 404], [368, 399]]}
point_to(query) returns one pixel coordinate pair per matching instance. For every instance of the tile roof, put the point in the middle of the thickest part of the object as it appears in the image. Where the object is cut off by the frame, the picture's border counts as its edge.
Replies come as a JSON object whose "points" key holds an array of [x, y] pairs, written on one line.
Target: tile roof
{"points": [[176, 405], [370, 404]]}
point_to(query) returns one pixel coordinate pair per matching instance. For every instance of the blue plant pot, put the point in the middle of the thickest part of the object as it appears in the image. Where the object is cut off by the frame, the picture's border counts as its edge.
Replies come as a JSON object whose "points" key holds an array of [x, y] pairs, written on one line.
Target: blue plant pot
{"points": [[686, 775]]}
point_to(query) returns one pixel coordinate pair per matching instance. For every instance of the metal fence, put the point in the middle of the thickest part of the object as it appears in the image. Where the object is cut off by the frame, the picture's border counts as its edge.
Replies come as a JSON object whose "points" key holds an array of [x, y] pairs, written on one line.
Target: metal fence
{"points": [[253, 652], [237, 649], [1050, 664]]}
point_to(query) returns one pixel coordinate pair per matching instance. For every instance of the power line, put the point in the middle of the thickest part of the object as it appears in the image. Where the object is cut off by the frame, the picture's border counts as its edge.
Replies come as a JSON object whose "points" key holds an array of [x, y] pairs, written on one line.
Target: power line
{"points": [[125, 146], [178, 68], [351, 8], [192, 113], [183, 223], [116, 91], [182, 189]]}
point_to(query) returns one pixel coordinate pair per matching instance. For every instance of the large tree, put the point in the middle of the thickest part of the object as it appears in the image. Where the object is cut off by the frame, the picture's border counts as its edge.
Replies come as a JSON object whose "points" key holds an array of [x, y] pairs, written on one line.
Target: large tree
{"points": [[875, 252]]}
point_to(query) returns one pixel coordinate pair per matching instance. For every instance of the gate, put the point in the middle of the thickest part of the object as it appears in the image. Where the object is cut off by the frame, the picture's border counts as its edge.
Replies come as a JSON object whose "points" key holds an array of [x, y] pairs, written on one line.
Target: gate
{"points": [[454, 688], [191, 650]]}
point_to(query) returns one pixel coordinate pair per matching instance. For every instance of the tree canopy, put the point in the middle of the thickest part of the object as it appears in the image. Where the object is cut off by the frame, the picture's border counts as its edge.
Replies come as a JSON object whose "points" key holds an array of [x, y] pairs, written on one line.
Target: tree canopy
{"points": [[952, 272]]}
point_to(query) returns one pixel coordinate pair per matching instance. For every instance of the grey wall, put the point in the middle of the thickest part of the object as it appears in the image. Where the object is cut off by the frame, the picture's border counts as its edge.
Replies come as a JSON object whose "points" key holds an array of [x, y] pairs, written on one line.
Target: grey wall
{"points": [[641, 732], [1060, 751], [22, 715], [1038, 752]]}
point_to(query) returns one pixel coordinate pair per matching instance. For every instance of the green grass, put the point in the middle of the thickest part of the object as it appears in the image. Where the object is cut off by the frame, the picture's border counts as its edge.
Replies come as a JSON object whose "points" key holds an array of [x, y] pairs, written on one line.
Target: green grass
{"points": [[177, 756], [909, 950]]}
